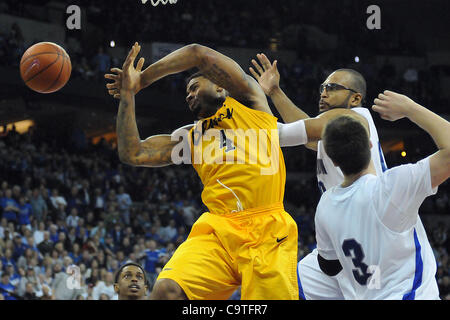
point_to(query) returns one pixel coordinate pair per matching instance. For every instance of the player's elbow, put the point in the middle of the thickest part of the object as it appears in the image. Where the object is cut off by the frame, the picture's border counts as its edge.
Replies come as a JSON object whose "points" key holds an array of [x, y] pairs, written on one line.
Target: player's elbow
{"points": [[206, 57], [197, 50], [127, 158]]}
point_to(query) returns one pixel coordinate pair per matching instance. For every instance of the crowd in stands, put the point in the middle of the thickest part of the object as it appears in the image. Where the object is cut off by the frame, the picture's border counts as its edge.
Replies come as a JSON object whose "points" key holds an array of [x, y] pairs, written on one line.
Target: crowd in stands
{"points": [[61, 206]]}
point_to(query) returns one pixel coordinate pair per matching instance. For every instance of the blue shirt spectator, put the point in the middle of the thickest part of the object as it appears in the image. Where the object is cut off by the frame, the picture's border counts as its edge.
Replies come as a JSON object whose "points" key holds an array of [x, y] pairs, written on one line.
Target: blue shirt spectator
{"points": [[10, 206], [25, 212], [6, 288]]}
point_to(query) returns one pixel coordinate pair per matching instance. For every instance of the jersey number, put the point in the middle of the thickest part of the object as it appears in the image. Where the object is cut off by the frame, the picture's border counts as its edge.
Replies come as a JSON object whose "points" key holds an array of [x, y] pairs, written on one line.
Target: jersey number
{"points": [[354, 250]]}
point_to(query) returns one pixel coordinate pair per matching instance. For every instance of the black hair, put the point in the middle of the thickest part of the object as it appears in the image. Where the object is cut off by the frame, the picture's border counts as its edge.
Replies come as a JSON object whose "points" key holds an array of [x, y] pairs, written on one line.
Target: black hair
{"points": [[358, 83], [116, 278], [346, 142], [195, 75]]}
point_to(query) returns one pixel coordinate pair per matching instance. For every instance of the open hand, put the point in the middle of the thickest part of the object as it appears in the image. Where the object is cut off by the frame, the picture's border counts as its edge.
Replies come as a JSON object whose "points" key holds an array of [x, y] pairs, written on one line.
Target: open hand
{"points": [[127, 78], [268, 76]]}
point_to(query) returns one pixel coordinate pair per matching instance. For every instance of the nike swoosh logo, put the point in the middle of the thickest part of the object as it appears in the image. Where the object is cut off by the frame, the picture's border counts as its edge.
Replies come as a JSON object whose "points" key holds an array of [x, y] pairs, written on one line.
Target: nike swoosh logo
{"points": [[279, 240]]}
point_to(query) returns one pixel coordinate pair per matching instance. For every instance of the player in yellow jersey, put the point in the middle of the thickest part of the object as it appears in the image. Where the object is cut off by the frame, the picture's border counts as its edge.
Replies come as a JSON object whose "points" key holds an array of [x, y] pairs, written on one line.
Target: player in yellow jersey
{"points": [[246, 239]]}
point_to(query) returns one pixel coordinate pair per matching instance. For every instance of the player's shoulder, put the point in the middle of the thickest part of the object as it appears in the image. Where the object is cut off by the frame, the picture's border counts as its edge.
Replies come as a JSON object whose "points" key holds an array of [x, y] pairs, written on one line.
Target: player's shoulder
{"points": [[248, 107]]}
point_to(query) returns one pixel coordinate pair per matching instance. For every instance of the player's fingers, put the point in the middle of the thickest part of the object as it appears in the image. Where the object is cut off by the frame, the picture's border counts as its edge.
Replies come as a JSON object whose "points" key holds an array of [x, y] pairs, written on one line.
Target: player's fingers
{"points": [[382, 96], [264, 61], [140, 64], [127, 59], [254, 73], [275, 65], [390, 93], [116, 96], [111, 85], [379, 102], [116, 70], [379, 109], [257, 66], [131, 56], [137, 49], [111, 76]]}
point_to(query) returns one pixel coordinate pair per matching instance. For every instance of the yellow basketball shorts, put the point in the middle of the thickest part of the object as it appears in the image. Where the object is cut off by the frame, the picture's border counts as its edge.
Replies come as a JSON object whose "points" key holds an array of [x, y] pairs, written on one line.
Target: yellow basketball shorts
{"points": [[255, 249]]}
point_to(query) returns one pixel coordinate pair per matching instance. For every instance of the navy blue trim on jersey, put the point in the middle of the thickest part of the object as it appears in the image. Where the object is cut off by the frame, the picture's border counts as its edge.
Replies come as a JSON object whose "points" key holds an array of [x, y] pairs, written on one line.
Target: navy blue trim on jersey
{"points": [[419, 270], [300, 288], [383, 162]]}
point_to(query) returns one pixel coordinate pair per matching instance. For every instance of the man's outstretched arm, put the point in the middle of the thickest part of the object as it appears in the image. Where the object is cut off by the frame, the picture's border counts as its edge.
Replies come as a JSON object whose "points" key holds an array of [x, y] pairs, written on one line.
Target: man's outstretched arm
{"points": [[220, 69], [393, 106]]}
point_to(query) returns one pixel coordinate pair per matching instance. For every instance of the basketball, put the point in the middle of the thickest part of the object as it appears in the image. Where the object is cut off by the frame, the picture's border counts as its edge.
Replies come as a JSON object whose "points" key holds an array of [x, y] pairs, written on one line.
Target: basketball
{"points": [[45, 67]]}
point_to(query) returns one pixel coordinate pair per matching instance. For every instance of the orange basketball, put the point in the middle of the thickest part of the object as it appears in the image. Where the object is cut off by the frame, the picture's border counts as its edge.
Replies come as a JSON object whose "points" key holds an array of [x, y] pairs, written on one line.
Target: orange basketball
{"points": [[45, 67]]}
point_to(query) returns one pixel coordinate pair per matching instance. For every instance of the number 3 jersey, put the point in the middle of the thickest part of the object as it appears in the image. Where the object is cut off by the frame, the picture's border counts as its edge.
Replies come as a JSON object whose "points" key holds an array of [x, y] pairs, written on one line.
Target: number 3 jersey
{"points": [[329, 175], [237, 155], [374, 229]]}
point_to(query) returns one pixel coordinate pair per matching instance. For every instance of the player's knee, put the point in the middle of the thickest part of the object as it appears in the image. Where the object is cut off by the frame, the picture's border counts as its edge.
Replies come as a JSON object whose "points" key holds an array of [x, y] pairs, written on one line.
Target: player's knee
{"points": [[167, 289]]}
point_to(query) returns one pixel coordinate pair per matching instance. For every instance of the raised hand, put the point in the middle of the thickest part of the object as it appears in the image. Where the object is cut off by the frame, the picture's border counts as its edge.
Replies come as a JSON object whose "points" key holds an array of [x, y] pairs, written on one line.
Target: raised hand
{"points": [[393, 106], [129, 77], [268, 76]]}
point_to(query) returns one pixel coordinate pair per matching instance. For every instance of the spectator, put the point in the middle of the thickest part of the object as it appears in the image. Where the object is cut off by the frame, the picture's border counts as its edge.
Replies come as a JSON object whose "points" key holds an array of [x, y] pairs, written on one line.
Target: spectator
{"points": [[124, 201], [58, 201], [10, 206], [151, 256], [29, 292], [72, 219], [169, 233], [38, 205], [38, 234], [7, 289], [14, 276], [30, 279], [105, 286], [25, 212], [46, 245], [59, 287]]}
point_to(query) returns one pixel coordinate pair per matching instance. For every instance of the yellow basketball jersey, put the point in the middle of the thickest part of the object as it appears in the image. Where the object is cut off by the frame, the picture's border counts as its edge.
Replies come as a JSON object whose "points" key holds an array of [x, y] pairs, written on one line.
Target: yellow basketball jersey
{"points": [[236, 153]]}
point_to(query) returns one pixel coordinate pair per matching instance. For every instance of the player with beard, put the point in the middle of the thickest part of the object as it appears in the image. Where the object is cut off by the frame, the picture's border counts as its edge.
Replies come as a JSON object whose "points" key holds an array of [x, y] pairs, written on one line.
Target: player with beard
{"points": [[130, 282], [246, 239], [343, 92]]}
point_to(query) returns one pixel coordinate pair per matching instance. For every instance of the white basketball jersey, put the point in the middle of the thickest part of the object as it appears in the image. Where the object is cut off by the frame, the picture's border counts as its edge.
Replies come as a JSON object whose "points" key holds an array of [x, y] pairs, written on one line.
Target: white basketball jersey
{"points": [[374, 229], [329, 176]]}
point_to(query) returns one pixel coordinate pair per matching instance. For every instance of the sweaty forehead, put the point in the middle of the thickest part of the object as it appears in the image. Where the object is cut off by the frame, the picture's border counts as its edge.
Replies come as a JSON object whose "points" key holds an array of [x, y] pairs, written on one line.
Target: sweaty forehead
{"points": [[340, 77]]}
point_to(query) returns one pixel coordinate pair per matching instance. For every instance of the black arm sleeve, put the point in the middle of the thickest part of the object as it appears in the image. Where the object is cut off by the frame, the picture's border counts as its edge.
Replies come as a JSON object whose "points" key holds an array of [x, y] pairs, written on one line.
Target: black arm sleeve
{"points": [[329, 267]]}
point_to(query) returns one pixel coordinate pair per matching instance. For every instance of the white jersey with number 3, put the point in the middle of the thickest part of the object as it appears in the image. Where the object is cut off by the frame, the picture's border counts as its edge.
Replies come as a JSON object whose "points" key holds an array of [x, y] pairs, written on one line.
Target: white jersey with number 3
{"points": [[329, 176], [373, 228]]}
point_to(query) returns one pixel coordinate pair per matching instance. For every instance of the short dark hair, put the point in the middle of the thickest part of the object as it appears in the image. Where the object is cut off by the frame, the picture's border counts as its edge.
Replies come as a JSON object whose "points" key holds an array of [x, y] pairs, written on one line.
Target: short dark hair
{"points": [[195, 75], [346, 142], [358, 83], [116, 278]]}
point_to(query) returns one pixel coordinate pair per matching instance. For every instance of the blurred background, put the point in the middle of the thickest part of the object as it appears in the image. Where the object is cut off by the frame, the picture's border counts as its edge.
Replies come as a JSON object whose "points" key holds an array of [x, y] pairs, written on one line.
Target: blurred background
{"points": [[65, 198]]}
